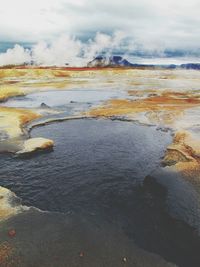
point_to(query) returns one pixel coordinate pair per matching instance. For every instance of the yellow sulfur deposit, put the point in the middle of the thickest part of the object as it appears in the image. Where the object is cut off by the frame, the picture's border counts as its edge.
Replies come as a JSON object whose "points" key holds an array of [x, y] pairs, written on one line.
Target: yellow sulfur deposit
{"points": [[12, 120], [183, 154], [34, 144], [6, 208], [156, 103], [10, 91]]}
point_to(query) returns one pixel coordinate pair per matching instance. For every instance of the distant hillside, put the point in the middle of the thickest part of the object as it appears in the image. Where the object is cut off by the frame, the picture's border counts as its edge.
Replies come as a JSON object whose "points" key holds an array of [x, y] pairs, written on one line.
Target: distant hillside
{"points": [[118, 61], [192, 66]]}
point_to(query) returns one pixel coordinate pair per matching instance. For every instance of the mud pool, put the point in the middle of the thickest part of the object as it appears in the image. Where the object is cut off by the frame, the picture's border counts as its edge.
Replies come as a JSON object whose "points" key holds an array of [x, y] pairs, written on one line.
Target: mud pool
{"points": [[105, 194], [64, 97]]}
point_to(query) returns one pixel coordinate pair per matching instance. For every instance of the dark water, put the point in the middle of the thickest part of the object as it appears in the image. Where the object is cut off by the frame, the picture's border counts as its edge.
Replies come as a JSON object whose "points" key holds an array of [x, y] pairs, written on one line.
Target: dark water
{"points": [[92, 160], [103, 171]]}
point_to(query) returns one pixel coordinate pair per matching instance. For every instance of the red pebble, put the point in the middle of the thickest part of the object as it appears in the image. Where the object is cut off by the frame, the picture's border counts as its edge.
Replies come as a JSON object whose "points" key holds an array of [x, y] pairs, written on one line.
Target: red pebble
{"points": [[12, 233], [81, 254]]}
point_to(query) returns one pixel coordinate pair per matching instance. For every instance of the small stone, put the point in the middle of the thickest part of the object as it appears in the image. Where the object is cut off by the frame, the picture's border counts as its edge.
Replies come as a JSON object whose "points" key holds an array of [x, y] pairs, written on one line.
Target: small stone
{"points": [[124, 259], [12, 233], [43, 105]]}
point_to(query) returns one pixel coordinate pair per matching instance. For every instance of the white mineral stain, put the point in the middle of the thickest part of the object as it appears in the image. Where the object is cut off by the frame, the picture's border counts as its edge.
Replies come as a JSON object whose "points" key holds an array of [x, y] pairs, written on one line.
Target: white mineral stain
{"points": [[9, 204]]}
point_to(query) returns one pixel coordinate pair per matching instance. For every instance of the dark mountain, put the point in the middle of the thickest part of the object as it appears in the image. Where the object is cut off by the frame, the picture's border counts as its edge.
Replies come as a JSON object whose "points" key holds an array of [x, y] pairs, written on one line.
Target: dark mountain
{"points": [[191, 66], [113, 61]]}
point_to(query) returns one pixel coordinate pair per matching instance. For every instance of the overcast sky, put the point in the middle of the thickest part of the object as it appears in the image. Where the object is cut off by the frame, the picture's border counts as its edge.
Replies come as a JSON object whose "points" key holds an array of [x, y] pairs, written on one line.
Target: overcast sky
{"points": [[152, 24]]}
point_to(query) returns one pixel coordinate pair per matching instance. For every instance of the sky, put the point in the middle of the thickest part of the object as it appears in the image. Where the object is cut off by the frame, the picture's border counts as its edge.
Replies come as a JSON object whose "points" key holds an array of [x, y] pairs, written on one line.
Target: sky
{"points": [[149, 26]]}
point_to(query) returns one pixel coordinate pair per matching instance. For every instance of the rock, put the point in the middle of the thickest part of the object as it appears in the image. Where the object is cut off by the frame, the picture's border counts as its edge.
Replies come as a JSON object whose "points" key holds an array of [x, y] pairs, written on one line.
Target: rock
{"points": [[43, 105], [113, 61], [124, 259], [35, 144]]}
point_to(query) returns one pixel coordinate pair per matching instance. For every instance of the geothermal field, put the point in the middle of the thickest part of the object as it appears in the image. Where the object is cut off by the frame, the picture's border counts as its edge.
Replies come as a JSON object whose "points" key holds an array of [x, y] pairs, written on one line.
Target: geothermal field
{"points": [[99, 167]]}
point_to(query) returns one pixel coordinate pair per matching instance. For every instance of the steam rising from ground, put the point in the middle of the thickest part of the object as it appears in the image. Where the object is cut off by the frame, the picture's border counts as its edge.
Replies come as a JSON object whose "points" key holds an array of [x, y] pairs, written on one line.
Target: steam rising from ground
{"points": [[17, 55], [64, 50]]}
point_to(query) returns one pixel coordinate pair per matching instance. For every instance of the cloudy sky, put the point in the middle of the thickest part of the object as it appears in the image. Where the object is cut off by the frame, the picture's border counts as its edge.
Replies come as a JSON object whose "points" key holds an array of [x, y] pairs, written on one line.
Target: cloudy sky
{"points": [[151, 25], [174, 22]]}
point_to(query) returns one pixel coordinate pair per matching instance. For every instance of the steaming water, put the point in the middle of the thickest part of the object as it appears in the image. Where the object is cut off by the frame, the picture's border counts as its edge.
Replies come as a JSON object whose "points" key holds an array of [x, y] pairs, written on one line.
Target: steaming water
{"points": [[99, 173]]}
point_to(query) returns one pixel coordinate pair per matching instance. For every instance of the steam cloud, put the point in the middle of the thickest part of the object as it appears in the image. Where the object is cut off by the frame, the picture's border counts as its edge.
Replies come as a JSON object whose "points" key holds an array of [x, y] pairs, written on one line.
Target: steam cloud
{"points": [[17, 55], [64, 50]]}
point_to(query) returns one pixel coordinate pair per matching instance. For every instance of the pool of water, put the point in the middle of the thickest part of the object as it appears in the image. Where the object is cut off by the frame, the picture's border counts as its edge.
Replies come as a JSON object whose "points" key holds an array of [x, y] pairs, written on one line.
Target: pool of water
{"points": [[64, 97], [92, 159], [103, 172]]}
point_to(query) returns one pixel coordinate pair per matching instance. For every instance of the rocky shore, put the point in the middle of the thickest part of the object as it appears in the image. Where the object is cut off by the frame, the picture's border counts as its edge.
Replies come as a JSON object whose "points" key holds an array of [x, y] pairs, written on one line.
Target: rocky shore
{"points": [[167, 99]]}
